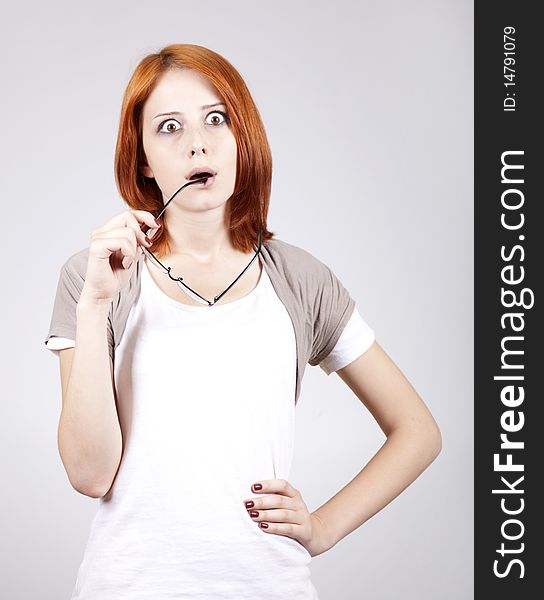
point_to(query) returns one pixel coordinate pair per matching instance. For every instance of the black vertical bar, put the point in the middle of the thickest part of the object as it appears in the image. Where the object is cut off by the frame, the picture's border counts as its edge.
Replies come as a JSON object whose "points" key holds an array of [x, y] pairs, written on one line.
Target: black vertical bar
{"points": [[509, 337]]}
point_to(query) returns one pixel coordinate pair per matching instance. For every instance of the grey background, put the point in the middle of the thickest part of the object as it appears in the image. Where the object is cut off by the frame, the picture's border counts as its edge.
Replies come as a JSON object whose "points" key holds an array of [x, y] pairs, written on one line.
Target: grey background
{"points": [[369, 112]]}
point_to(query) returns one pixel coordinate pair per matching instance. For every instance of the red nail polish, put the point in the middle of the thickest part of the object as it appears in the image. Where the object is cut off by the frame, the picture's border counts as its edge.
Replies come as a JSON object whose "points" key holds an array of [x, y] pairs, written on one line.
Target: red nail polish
{"points": [[254, 513], [250, 504], [264, 525], [257, 486], [157, 221]]}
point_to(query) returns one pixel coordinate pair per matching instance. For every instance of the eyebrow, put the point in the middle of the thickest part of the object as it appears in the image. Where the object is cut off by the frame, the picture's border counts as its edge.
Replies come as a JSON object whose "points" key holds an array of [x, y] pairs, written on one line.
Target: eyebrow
{"points": [[173, 112]]}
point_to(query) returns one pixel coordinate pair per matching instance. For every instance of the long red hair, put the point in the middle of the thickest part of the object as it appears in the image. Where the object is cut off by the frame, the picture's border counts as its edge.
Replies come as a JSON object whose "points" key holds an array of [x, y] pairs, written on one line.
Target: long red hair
{"points": [[248, 206]]}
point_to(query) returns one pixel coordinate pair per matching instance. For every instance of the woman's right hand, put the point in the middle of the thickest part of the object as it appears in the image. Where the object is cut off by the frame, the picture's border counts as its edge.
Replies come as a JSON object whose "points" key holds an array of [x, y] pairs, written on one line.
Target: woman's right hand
{"points": [[113, 251]]}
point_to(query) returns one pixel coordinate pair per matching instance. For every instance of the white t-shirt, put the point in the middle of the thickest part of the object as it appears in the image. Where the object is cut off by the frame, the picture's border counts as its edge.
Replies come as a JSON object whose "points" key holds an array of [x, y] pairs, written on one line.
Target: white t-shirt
{"points": [[206, 401]]}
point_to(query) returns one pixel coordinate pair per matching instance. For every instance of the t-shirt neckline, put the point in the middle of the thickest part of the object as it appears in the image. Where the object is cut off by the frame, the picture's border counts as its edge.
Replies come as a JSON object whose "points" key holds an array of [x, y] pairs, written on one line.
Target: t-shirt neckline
{"points": [[156, 290]]}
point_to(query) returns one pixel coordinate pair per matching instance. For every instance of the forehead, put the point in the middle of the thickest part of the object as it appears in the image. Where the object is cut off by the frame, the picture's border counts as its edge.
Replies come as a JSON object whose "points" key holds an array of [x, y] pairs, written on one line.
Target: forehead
{"points": [[180, 90]]}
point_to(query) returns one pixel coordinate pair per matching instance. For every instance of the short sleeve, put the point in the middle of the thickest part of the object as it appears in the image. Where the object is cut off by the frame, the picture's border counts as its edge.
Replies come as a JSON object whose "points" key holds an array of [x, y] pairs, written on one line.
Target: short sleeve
{"points": [[355, 340], [62, 327], [332, 309], [59, 343]]}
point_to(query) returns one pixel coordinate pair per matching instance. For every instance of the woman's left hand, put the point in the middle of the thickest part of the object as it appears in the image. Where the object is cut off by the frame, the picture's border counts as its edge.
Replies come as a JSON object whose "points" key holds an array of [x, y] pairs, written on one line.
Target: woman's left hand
{"points": [[283, 511]]}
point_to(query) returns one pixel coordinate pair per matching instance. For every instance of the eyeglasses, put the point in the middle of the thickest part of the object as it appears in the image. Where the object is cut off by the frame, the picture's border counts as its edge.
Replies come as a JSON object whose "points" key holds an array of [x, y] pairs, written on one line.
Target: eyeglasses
{"points": [[179, 280]]}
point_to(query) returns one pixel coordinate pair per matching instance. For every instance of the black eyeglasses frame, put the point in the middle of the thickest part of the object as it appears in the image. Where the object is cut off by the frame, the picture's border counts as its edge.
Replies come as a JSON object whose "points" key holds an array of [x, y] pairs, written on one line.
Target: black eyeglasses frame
{"points": [[179, 280]]}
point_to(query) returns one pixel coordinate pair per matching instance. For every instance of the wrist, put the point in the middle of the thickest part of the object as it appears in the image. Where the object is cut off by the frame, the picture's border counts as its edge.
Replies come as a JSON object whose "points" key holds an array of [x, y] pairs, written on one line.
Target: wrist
{"points": [[325, 537]]}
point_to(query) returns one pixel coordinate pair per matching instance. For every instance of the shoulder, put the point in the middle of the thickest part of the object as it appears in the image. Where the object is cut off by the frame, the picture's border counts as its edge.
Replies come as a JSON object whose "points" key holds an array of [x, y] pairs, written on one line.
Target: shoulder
{"points": [[76, 264], [297, 261], [284, 250]]}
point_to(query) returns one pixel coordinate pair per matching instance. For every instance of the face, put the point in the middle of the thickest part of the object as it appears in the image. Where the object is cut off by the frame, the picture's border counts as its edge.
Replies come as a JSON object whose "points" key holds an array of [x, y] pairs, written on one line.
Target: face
{"points": [[192, 137]]}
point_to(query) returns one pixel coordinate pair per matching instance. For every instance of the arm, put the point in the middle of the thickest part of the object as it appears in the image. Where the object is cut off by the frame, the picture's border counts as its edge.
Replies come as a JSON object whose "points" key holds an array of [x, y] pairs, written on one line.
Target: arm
{"points": [[89, 434], [413, 442]]}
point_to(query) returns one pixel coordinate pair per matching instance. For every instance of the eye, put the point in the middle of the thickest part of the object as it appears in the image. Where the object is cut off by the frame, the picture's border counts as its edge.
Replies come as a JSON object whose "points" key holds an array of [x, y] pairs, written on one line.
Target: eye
{"points": [[219, 112], [170, 129]]}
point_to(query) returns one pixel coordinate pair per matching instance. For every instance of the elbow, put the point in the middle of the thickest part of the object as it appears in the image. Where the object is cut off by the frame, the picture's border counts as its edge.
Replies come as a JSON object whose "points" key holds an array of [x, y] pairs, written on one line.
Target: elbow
{"points": [[432, 438], [90, 488], [429, 442], [91, 491], [426, 436], [92, 482], [435, 442]]}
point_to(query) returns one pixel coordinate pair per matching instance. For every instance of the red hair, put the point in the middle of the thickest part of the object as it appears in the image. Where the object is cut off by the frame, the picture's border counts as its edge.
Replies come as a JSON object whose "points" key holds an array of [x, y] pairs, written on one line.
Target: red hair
{"points": [[247, 208]]}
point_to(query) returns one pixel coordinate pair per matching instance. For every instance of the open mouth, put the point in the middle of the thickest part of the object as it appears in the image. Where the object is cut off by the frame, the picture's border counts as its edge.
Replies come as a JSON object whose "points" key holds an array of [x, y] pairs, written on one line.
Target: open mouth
{"points": [[206, 177]]}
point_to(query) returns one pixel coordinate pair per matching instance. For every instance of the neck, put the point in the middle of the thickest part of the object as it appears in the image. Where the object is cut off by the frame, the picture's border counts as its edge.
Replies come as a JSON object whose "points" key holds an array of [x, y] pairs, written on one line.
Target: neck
{"points": [[203, 243]]}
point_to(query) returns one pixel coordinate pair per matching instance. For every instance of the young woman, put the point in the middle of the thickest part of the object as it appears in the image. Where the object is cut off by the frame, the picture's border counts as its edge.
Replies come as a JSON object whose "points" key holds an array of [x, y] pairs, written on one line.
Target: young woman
{"points": [[182, 355]]}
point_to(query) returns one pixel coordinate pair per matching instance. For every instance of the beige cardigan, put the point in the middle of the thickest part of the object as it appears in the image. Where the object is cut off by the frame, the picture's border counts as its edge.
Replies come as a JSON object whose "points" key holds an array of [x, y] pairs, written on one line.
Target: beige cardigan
{"points": [[316, 300]]}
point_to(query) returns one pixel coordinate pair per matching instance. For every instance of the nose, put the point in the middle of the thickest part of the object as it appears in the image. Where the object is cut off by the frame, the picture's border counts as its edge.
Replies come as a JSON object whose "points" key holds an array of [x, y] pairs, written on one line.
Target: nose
{"points": [[197, 145], [197, 149]]}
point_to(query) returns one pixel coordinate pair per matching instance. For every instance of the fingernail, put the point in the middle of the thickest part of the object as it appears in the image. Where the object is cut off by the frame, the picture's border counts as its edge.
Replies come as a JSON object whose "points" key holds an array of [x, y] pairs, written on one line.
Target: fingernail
{"points": [[148, 240], [250, 504], [158, 222], [263, 525], [257, 486], [254, 513]]}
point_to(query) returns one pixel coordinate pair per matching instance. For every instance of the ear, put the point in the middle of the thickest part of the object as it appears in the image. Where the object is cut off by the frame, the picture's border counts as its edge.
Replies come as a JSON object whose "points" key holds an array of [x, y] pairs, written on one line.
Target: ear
{"points": [[146, 171]]}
